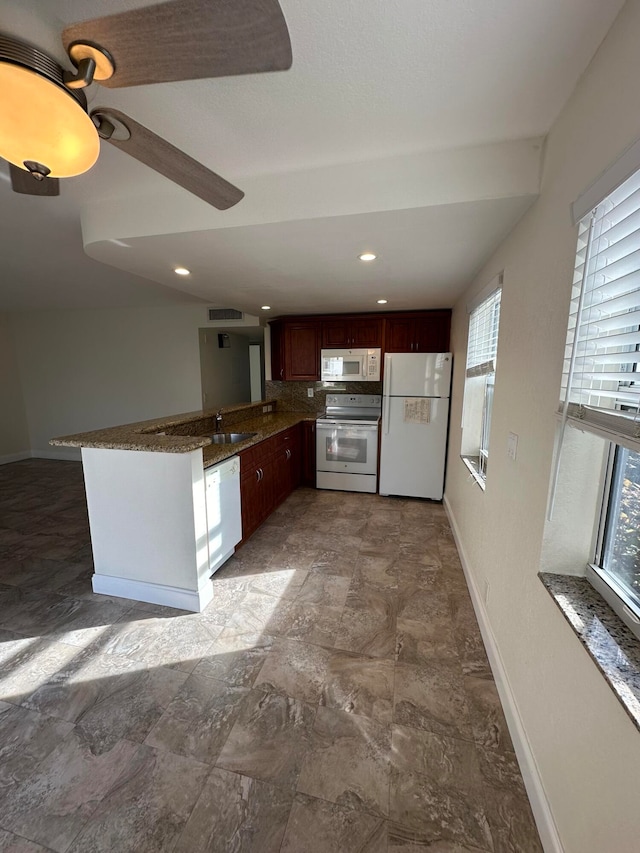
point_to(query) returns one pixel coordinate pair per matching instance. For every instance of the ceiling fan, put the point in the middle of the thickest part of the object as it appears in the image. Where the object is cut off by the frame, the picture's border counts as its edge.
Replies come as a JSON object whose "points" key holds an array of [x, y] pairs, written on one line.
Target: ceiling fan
{"points": [[46, 132]]}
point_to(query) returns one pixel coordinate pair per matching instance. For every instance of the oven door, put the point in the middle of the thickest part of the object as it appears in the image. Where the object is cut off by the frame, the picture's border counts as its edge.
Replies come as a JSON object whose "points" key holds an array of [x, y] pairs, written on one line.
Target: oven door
{"points": [[348, 449]]}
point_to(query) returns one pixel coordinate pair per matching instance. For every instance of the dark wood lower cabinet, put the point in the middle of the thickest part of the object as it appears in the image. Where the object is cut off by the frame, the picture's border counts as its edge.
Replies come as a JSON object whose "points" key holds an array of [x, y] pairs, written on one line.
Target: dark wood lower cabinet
{"points": [[252, 498], [269, 472], [308, 473]]}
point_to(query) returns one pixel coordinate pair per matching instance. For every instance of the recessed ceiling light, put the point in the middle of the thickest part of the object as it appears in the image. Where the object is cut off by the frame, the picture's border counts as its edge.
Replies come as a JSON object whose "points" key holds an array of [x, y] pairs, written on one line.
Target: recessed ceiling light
{"points": [[382, 301], [367, 256], [266, 307], [182, 271]]}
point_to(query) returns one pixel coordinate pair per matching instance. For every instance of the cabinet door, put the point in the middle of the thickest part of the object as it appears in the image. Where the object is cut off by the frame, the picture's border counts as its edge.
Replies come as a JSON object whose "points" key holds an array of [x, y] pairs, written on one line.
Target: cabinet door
{"points": [[295, 458], [281, 478], [302, 350], [251, 501], [366, 333], [277, 350], [399, 334], [308, 467], [292, 457], [336, 334], [287, 464], [432, 333], [268, 487]]}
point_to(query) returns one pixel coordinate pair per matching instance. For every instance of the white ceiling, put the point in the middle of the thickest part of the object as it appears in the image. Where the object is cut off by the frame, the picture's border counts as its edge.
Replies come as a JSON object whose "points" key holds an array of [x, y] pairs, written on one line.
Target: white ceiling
{"points": [[394, 130]]}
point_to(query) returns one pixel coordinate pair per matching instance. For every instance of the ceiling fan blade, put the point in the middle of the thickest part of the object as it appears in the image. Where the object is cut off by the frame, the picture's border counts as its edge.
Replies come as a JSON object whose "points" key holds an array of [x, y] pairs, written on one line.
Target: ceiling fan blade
{"points": [[189, 39], [23, 182], [174, 164]]}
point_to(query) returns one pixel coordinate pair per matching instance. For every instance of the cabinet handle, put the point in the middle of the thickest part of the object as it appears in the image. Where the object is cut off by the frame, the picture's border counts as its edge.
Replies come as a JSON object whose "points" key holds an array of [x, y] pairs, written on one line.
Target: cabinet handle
{"points": [[258, 474], [261, 474], [281, 372]]}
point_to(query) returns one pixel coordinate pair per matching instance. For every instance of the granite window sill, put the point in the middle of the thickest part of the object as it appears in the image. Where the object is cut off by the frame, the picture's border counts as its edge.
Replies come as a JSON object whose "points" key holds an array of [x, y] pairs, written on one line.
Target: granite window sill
{"points": [[611, 645]]}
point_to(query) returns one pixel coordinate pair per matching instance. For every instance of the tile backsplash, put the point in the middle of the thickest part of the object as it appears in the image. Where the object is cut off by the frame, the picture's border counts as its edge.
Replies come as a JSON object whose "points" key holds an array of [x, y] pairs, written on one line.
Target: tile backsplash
{"points": [[292, 396]]}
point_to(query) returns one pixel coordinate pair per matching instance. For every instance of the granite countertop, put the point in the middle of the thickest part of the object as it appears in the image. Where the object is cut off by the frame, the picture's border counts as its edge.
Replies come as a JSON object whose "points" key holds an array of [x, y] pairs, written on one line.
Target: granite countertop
{"points": [[264, 427], [611, 645], [143, 435]]}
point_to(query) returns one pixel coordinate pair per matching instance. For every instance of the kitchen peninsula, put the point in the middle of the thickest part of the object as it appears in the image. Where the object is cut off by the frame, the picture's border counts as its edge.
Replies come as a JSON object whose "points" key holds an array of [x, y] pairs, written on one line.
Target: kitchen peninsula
{"points": [[158, 525]]}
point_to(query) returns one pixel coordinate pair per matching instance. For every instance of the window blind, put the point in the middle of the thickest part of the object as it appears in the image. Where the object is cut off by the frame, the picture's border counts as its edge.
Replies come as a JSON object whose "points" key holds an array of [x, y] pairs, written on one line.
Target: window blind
{"points": [[601, 375], [483, 336]]}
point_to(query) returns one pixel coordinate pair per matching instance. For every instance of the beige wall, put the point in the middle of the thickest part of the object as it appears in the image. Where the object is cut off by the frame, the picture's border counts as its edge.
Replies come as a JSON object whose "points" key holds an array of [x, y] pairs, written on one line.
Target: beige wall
{"points": [[14, 436], [88, 369], [585, 747], [225, 371]]}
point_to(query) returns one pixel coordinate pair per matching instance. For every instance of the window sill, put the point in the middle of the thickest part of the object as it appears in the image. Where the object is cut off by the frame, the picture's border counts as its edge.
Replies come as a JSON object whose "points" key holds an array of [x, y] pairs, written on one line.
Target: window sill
{"points": [[473, 464], [611, 645]]}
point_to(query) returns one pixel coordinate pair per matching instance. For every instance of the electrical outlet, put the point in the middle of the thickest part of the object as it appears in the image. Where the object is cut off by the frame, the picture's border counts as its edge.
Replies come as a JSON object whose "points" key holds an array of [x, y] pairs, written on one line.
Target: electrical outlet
{"points": [[309, 392], [512, 446], [265, 409]]}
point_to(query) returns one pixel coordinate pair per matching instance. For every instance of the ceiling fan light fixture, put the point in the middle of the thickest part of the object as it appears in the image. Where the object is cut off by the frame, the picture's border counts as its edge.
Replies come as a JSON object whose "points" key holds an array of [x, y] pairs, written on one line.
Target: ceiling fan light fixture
{"points": [[43, 123]]}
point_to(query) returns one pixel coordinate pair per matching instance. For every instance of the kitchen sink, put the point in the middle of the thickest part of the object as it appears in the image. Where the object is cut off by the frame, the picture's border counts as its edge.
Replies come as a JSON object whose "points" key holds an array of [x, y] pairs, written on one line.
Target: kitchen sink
{"points": [[231, 437]]}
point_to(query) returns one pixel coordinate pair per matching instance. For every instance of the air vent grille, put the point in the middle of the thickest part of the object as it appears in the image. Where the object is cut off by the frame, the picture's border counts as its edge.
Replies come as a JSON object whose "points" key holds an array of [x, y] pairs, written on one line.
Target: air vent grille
{"points": [[225, 314]]}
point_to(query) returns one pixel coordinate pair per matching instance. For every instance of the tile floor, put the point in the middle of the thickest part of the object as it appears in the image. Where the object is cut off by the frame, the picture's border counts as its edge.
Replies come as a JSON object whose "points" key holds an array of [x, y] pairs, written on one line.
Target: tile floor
{"points": [[335, 696]]}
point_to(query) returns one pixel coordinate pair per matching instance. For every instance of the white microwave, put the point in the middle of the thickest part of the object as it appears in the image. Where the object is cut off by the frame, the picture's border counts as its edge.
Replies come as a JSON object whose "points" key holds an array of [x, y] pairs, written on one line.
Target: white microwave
{"points": [[350, 365]]}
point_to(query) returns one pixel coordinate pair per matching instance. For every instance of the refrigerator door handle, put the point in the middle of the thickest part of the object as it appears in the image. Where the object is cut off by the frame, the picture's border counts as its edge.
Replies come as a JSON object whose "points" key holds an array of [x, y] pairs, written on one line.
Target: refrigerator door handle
{"points": [[387, 390]]}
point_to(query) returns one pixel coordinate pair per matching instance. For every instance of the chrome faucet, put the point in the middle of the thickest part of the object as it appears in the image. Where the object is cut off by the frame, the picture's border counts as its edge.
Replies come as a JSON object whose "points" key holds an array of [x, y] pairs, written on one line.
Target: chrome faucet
{"points": [[218, 420]]}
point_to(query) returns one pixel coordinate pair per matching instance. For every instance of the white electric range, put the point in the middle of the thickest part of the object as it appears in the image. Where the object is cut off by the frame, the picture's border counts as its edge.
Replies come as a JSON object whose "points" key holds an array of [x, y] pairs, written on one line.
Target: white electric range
{"points": [[347, 443]]}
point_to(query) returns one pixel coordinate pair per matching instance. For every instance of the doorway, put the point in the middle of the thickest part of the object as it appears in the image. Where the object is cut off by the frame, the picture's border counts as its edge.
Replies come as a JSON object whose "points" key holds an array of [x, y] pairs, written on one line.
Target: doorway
{"points": [[231, 365]]}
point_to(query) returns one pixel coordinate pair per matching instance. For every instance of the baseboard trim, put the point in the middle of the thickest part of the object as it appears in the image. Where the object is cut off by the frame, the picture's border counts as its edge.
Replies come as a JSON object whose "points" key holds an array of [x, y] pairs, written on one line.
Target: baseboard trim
{"points": [[545, 823], [64, 454], [154, 593], [15, 457]]}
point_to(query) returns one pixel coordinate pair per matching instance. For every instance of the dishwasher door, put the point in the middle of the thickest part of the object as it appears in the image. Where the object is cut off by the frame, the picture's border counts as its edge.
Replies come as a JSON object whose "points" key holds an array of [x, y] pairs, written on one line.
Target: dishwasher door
{"points": [[224, 517]]}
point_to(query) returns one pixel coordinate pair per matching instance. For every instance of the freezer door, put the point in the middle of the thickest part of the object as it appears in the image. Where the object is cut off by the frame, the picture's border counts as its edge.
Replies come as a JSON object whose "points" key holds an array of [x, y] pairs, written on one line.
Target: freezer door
{"points": [[420, 374], [413, 454]]}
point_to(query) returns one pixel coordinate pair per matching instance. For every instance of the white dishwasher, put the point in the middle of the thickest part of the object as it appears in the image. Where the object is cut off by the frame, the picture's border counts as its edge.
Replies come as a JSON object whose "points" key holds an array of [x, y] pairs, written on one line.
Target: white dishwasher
{"points": [[224, 517]]}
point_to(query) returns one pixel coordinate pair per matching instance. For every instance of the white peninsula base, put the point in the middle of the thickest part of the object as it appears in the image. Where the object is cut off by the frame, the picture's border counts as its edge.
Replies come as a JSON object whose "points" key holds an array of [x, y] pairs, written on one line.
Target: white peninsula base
{"points": [[156, 523]]}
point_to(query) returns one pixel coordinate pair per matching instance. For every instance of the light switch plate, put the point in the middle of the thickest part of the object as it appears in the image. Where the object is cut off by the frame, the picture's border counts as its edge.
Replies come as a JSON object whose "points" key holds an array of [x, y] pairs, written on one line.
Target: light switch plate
{"points": [[512, 445], [309, 392]]}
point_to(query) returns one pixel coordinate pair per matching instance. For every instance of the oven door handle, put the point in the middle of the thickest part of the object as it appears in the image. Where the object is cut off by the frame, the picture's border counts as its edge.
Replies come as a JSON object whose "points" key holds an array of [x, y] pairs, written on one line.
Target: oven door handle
{"points": [[354, 428]]}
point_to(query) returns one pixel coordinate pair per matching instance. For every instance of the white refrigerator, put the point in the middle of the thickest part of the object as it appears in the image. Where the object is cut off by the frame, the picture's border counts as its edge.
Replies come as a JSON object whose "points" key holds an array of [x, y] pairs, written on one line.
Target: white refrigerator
{"points": [[415, 420]]}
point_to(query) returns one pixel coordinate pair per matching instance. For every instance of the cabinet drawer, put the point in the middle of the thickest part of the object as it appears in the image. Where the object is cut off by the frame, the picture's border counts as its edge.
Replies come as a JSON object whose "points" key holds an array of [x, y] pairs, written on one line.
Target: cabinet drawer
{"points": [[251, 458], [286, 438]]}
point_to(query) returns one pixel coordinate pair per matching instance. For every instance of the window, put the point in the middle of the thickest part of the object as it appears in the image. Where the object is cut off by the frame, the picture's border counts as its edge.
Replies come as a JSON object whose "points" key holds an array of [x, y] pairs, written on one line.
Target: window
{"points": [[482, 348], [601, 383]]}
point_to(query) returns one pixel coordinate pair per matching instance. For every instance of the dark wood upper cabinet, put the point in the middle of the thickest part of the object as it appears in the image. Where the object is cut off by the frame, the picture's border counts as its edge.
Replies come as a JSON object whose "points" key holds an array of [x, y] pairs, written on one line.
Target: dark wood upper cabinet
{"points": [[295, 349], [296, 341], [336, 333], [399, 334], [352, 332], [432, 333], [421, 331]]}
